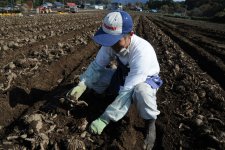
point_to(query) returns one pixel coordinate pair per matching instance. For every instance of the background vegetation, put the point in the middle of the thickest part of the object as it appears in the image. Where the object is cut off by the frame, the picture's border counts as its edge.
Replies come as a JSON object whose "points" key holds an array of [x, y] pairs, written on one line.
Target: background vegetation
{"points": [[194, 8]]}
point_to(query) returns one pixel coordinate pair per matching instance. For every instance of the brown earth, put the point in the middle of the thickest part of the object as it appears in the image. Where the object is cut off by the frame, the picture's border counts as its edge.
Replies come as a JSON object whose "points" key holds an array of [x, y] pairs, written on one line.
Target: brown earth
{"points": [[42, 57]]}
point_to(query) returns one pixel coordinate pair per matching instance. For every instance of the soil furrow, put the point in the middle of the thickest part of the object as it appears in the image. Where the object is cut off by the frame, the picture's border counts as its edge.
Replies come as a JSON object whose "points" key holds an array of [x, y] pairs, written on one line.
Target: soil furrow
{"points": [[170, 96], [50, 40], [214, 67], [207, 43]]}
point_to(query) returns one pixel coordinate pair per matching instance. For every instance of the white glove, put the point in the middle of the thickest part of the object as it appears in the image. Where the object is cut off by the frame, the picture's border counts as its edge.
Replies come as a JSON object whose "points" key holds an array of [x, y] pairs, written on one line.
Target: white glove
{"points": [[77, 91], [98, 125]]}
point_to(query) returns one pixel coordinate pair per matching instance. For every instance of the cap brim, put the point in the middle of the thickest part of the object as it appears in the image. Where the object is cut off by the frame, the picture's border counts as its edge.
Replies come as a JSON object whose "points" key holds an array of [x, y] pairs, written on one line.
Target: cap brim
{"points": [[106, 39]]}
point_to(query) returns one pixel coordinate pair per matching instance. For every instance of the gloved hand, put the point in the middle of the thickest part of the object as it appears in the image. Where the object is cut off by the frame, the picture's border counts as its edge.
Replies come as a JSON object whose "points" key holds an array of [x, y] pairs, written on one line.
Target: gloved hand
{"points": [[98, 125], [77, 91]]}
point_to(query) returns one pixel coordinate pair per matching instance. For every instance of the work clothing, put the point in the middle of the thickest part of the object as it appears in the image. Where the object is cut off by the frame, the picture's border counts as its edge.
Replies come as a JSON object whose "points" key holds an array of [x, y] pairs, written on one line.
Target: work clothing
{"points": [[142, 63]]}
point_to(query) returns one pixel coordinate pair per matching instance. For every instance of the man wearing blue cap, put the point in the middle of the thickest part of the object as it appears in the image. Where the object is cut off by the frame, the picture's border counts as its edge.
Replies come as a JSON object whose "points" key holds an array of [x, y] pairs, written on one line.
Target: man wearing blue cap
{"points": [[134, 80]]}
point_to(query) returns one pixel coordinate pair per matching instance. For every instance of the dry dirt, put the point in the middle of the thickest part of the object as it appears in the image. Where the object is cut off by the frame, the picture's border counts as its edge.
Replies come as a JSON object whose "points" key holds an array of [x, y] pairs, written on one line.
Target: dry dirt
{"points": [[42, 57]]}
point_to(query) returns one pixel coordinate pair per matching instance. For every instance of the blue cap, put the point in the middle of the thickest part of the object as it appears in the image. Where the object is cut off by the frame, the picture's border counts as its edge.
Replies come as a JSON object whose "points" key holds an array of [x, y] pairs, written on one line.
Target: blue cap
{"points": [[114, 26]]}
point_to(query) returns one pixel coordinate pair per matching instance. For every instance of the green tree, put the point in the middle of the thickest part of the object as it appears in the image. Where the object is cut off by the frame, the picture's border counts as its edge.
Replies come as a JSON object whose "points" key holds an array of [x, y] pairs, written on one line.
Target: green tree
{"points": [[3, 3], [205, 7], [157, 4], [165, 8]]}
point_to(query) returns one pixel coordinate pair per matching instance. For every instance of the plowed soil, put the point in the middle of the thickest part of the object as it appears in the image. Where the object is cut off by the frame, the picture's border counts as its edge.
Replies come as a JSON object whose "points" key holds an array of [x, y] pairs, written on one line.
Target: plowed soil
{"points": [[42, 57]]}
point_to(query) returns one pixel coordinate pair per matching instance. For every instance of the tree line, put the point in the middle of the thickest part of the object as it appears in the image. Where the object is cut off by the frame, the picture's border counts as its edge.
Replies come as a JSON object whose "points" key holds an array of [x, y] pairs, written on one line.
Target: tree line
{"points": [[200, 8]]}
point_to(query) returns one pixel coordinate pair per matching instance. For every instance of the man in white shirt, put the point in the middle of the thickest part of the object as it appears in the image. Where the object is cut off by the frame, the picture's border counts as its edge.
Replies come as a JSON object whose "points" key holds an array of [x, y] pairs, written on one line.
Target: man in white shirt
{"points": [[135, 79]]}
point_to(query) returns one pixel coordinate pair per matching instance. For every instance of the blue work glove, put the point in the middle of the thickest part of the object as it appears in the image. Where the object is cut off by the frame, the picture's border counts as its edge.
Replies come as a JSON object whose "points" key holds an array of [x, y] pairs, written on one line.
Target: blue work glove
{"points": [[77, 91], [98, 125]]}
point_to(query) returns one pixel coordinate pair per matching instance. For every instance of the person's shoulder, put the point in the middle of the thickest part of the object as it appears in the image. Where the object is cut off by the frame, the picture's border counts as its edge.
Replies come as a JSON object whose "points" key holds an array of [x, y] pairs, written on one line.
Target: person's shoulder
{"points": [[140, 43], [105, 50]]}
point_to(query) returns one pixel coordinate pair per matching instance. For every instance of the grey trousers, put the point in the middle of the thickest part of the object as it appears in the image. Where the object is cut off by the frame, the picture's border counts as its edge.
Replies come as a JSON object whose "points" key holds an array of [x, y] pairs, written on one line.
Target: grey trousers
{"points": [[143, 96]]}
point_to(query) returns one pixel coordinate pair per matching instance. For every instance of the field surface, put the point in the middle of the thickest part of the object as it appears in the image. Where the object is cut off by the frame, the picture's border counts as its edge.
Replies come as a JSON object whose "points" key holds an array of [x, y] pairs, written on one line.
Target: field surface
{"points": [[42, 57]]}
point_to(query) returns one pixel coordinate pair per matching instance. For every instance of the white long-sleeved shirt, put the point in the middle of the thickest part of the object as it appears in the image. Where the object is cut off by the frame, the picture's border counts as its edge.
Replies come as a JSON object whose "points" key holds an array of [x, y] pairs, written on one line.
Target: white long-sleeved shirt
{"points": [[141, 59]]}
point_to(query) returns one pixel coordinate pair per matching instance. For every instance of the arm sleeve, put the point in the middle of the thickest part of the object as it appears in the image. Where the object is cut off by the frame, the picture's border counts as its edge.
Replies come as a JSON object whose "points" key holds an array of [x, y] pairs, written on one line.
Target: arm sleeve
{"points": [[103, 56], [119, 107], [94, 70]]}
